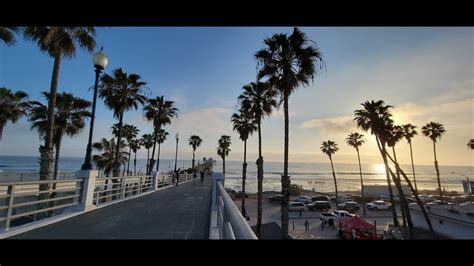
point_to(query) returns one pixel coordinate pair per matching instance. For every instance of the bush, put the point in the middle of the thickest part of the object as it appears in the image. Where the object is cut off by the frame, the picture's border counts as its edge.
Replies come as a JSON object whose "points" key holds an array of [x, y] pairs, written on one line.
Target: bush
{"points": [[296, 190]]}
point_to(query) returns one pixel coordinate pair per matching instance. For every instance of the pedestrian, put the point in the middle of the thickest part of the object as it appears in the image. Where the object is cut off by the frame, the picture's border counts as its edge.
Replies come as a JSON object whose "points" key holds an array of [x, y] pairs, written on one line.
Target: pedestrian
{"points": [[202, 176], [177, 175], [322, 225], [306, 225]]}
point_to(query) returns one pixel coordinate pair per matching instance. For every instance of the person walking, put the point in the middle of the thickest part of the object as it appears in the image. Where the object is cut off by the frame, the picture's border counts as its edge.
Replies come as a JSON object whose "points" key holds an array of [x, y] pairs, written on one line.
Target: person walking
{"points": [[306, 225], [177, 175], [202, 176]]}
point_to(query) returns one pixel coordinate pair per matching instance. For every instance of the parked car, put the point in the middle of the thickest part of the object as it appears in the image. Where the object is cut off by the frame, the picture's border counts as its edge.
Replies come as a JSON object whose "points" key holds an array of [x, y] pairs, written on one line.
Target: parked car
{"points": [[439, 202], [350, 206], [334, 216], [425, 198], [379, 205], [276, 198], [469, 203], [319, 205], [296, 206], [321, 198], [304, 199]]}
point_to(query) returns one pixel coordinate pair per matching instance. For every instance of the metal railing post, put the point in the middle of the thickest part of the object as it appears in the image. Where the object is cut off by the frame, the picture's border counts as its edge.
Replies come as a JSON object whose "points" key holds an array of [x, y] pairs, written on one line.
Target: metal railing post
{"points": [[11, 192]]}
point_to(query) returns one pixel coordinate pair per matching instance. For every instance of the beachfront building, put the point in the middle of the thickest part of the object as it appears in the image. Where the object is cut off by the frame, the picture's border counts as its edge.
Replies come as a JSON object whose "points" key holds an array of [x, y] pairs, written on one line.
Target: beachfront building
{"points": [[452, 222]]}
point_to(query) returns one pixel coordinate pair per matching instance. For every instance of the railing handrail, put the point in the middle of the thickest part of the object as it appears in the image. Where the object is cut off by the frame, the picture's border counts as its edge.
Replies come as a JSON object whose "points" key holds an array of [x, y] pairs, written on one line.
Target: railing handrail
{"points": [[240, 228], [38, 182]]}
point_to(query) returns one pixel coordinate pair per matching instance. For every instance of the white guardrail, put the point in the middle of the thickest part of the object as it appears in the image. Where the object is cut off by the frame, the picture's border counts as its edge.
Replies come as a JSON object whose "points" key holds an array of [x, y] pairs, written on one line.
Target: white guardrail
{"points": [[226, 220]]}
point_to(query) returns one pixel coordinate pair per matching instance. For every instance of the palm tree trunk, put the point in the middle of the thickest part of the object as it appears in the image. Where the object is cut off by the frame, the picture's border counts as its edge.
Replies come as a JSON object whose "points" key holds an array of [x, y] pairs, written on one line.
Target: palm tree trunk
{"points": [[158, 158], [135, 164], [259, 180], [129, 155], [152, 162], [46, 151], [335, 183], [192, 167], [285, 179], [361, 183], [389, 183], [116, 171], [56, 164], [415, 193], [223, 164], [403, 202], [412, 166], [437, 173], [147, 160], [244, 176]]}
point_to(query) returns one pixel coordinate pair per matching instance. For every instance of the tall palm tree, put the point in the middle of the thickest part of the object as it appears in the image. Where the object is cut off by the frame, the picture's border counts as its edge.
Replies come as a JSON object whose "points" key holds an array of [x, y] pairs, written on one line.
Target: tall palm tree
{"points": [[130, 132], [121, 92], [259, 101], [245, 124], [69, 119], [194, 142], [470, 144], [356, 140], [330, 148], [288, 61], [106, 161], [135, 145], [12, 107], [147, 141], [7, 35], [409, 133], [434, 131], [223, 149], [59, 43], [160, 112], [160, 138]]}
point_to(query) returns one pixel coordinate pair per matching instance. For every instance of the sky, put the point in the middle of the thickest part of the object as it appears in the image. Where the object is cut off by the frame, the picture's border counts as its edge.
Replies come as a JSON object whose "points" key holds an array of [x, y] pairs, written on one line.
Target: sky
{"points": [[427, 74]]}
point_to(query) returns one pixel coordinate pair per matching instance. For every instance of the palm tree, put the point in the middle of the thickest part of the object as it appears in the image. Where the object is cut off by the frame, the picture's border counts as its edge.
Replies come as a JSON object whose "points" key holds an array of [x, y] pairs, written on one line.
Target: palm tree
{"points": [[288, 62], [259, 101], [470, 144], [223, 149], [7, 35], [356, 140], [434, 131], [409, 132], [160, 138], [330, 148], [160, 112], [245, 124], [59, 43], [130, 132], [69, 119], [12, 107], [194, 142], [106, 161], [147, 141], [121, 92], [376, 118], [135, 145]]}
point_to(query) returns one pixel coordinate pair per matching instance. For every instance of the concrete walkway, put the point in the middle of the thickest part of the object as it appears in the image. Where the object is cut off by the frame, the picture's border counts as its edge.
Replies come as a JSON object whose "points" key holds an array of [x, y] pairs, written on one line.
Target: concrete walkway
{"points": [[180, 212]]}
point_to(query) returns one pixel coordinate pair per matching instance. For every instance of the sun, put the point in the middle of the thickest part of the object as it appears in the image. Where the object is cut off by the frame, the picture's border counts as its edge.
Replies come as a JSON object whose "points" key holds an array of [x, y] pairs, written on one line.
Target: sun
{"points": [[379, 168]]}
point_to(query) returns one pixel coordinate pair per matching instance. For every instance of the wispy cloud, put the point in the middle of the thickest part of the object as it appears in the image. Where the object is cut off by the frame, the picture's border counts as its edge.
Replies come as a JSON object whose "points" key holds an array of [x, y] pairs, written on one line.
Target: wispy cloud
{"points": [[341, 124]]}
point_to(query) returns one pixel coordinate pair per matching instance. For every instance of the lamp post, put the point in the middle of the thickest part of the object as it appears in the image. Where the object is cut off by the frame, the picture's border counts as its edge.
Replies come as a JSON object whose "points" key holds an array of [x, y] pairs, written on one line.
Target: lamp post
{"points": [[176, 156], [100, 60], [468, 182]]}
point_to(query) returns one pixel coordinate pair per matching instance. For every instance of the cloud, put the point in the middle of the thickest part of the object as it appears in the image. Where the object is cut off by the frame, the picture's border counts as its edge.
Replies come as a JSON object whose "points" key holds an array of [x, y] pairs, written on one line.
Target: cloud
{"points": [[341, 124]]}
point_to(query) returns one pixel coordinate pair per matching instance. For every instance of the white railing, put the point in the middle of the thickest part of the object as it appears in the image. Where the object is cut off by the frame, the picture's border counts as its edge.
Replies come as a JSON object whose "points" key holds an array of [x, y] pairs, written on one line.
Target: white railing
{"points": [[25, 199], [113, 188], [226, 220]]}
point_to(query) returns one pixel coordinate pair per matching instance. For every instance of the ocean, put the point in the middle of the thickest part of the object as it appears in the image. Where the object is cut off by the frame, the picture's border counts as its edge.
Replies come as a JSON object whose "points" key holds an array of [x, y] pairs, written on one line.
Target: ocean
{"points": [[315, 176]]}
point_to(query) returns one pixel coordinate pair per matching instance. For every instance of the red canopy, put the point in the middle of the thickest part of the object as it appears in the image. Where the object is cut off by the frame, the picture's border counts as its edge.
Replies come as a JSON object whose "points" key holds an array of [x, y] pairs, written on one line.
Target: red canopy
{"points": [[356, 223]]}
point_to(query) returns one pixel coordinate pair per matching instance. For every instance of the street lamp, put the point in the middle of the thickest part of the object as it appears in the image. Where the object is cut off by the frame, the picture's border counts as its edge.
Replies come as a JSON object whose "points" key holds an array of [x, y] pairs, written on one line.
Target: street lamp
{"points": [[100, 60], [468, 183], [176, 156]]}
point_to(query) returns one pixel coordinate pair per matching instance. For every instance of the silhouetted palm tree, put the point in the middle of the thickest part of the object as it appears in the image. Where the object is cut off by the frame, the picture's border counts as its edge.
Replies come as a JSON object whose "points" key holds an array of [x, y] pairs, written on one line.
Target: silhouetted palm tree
{"points": [[12, 107], [130, 132], [7, 35], [409, 132], [330, 148], [147, 141], [434, 131], [160, 138], [69, 119], [470, 144], [106, 161], [356, 140], [135, 145], [121, 92], [59, 43], [245, 124], [160, 112], [259, 101], [288, 61], [223, 149], [194, 142]]}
